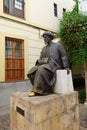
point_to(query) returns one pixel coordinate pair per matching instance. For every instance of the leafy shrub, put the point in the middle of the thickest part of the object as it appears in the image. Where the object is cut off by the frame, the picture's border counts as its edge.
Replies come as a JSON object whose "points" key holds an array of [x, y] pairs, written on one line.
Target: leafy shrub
{"points": [[82, 95], [73, 34]]}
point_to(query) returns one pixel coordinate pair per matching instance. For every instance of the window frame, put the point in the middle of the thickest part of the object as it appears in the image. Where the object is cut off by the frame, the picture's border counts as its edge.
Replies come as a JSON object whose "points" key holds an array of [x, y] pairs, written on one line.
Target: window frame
{"points": [[64, 10], [55, 10], [11, 10], [19, 4]]}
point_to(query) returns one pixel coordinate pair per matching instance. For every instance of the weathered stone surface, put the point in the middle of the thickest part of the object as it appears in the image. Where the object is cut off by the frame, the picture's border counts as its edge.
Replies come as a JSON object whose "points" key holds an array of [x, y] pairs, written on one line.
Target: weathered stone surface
{"points": [[64, 82], [52, 112]]}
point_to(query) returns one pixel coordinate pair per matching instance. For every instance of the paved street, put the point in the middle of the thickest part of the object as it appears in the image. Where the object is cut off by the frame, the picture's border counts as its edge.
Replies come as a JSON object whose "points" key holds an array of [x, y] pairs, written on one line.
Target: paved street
{"points": [[4, 118], [83, 117], [4, 122]]}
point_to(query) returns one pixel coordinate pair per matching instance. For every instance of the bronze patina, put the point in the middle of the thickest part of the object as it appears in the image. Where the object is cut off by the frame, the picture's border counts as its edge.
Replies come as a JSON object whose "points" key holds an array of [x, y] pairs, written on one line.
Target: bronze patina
{"points": [[43, 74]]}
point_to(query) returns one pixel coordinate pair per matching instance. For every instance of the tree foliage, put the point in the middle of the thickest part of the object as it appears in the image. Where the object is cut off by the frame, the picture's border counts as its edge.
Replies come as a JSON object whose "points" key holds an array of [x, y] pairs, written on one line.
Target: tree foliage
{"points": [[73, 34]]}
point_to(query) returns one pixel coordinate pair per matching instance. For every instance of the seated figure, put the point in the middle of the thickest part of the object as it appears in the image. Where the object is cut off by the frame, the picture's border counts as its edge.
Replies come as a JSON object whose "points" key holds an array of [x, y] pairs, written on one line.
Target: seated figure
{"points": [[43, 74]]}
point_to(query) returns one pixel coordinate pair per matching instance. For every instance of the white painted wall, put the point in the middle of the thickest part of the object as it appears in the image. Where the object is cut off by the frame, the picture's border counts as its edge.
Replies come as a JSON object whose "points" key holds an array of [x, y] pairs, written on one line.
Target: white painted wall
{"points": [[42, 12]]}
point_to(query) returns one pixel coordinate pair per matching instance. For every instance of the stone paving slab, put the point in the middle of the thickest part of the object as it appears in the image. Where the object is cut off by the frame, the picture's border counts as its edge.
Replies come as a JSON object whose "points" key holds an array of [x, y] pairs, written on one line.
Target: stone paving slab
{"points": [[83, 117], [5, 122], [4, 110], [82, 128]]}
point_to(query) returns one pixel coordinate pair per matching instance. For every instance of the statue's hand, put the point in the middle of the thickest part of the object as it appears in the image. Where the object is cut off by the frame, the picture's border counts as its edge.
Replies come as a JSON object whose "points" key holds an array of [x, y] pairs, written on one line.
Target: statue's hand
{"points": [[42, 61], [38, 62], [68, 70]]}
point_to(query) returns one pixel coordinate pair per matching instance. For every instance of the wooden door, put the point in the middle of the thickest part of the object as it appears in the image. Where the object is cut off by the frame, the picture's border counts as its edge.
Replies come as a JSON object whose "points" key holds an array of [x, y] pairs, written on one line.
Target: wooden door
{"points": [[14, 59]]}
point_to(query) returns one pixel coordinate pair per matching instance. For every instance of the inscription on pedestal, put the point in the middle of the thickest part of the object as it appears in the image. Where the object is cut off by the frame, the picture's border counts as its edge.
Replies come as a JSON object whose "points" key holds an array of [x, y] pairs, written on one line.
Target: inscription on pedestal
{"points": [[20, 111]]}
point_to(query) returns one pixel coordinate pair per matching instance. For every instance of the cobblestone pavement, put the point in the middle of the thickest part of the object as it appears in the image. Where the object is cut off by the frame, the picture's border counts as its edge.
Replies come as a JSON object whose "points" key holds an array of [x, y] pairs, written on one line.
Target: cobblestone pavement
{"points": [[4, 122], [4, 119], [83, 117]]}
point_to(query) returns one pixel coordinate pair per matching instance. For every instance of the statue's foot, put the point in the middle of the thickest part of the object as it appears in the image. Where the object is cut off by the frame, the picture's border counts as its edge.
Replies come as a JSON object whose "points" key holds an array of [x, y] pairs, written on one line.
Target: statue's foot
{"points": [[31, 94]]}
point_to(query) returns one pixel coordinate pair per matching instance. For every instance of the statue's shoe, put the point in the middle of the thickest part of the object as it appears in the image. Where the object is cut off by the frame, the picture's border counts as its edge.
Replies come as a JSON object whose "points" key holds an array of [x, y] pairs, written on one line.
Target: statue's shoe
{"points": [[31, 94]]}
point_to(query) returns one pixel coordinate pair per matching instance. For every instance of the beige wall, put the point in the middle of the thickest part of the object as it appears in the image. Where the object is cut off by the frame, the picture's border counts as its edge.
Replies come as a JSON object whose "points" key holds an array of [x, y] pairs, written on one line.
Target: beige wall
{"points": [[32, 43], [37, 13], [40, 13], [2, 57]]}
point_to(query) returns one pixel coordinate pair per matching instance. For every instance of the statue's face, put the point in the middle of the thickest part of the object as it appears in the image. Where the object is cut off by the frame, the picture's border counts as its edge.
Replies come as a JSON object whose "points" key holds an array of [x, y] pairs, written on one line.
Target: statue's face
{"points": [[47, 39]]}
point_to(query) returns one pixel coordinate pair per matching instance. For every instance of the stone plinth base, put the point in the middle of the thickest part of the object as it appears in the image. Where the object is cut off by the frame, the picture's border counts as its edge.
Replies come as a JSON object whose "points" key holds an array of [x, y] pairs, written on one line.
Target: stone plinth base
{"points": [[52, 112]]}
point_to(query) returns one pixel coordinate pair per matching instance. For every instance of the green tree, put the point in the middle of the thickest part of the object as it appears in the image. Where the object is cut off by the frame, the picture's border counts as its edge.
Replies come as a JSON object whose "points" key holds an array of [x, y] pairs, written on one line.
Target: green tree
{"points": [[73, 34]]}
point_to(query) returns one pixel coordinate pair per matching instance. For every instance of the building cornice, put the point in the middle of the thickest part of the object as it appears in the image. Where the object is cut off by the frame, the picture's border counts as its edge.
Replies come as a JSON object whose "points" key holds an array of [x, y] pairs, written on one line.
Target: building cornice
{"points": [[33, 25]]}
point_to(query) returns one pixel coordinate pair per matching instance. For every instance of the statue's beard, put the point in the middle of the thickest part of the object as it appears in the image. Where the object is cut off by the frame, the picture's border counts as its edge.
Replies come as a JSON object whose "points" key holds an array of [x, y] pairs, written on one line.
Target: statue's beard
{"points": [[47, 42]]}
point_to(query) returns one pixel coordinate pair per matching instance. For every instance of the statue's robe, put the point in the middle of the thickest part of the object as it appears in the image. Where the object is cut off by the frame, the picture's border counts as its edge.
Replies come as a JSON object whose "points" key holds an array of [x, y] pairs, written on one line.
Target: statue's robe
{"points": [[43, 74]]}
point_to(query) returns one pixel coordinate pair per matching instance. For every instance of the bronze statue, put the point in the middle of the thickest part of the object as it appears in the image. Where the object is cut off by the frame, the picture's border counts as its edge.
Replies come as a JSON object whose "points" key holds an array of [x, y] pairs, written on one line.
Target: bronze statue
{"points": [[43, 74]]}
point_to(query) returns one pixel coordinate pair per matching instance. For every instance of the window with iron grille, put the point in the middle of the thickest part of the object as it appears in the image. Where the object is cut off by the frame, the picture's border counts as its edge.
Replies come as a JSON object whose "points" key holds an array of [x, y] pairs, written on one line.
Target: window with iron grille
{"points": [[14, 59], [14, 7], [55, 9]]}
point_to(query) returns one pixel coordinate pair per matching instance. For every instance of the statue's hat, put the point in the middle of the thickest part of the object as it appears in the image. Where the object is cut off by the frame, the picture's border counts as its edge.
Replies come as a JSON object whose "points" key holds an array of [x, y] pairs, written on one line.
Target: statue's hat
{"points": [[48, 33]]}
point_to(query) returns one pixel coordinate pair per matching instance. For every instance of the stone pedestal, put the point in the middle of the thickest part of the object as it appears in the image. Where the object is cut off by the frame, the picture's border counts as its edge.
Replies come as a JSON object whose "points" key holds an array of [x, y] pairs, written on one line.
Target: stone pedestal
{"points": [[52, 112]]}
